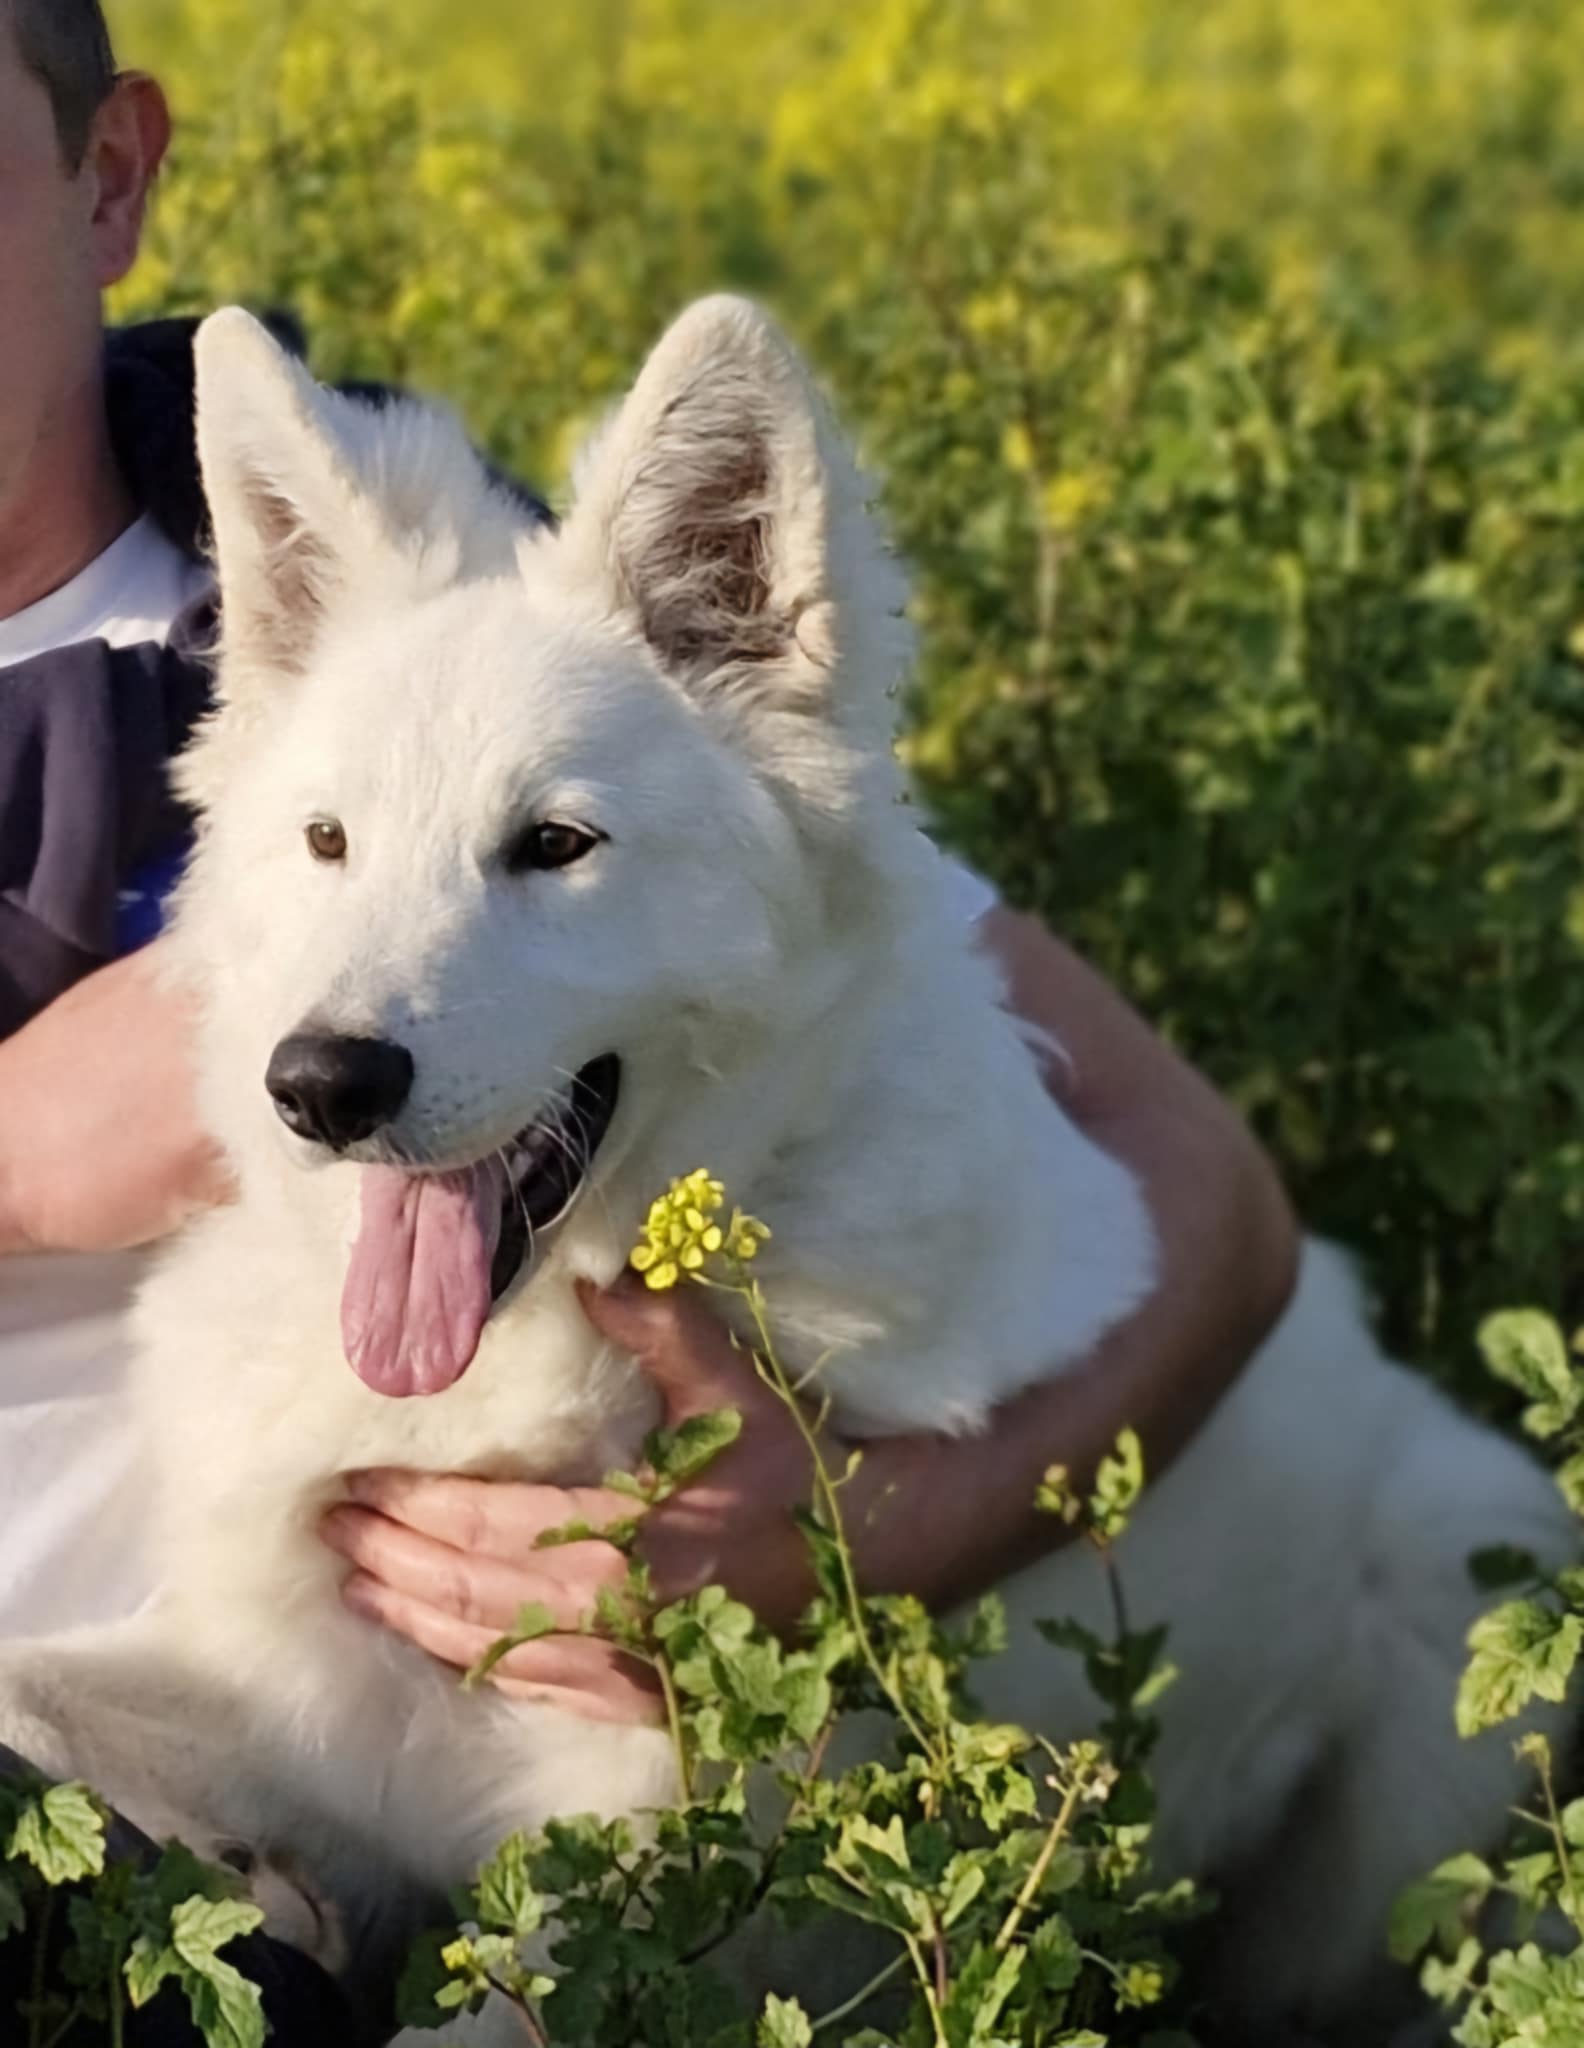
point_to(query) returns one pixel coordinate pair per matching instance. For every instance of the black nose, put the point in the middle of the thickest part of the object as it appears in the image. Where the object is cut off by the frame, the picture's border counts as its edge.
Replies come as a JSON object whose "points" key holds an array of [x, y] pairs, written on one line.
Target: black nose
{"points": [[338, 1090]]}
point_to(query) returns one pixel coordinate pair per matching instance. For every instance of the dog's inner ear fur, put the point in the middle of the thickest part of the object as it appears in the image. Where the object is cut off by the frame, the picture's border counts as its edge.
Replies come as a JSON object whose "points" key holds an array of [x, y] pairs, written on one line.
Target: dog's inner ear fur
{"points": [[697, 541], [283, 600]]}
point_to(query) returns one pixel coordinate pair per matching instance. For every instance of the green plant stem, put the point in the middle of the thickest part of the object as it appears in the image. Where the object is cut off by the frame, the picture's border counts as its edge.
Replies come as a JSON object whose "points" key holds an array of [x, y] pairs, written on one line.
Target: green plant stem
{"points": [[927, 1985], [774, 1373], [673, 1708], [1036, 1877], [1564, 1860], [535, 2028], [877, 1982]]}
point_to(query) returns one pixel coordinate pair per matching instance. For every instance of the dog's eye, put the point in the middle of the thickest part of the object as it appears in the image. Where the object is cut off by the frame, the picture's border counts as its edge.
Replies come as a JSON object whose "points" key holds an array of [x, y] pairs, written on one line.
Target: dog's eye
{"points": [[549, 845], [327, 840]]}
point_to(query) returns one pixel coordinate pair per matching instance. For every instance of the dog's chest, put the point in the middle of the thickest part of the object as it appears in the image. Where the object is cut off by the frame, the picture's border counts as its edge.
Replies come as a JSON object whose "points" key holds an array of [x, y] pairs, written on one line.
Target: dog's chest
{"points": [[248, 1401]]}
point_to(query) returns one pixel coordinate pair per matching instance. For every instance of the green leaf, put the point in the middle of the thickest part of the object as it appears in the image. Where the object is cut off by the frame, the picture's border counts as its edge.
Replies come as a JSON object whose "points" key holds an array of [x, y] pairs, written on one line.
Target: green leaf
{"points": [[1451, 1982], [979, 1995], [1056, 1495], [148, 1964], [61, 1832], [964, 1880], [621, 1534], [201, 1927], [1527, 1349], [1118, 1484], [425, 1976], [1439, 1907], [1569, 1477], [679, 1455], [1532, 1879], [225, 2007], [1501, 1565], [627, 1483], [1056, 1956], [783, 2024], [504, 1895], [1521, 1651]]}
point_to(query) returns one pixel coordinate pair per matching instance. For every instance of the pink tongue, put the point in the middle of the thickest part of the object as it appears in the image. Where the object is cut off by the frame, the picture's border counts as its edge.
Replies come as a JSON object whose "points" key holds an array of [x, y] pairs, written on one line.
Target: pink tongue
{"points": [[417, 1291]]}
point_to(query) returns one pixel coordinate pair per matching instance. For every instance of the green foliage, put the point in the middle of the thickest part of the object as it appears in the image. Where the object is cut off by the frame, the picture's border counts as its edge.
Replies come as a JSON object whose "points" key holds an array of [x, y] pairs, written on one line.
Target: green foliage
{"points": [[106, 1935], [1525, 1650], [1001, 1880]]}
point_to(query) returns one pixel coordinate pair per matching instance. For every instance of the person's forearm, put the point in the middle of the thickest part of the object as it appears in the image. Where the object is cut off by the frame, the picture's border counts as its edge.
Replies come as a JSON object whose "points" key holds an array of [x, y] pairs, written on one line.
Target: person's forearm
{"points": [[100, 1143], [1228, 1252]]}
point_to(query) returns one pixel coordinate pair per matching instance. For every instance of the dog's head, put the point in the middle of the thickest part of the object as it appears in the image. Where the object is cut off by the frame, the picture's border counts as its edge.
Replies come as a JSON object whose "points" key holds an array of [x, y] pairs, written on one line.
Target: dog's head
{"points": [[512, 833]]}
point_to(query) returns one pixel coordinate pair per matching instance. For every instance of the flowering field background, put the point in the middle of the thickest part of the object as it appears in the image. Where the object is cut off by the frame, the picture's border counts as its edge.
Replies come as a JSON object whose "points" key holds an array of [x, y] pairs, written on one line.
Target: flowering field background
{"points": [[1221, 360]]}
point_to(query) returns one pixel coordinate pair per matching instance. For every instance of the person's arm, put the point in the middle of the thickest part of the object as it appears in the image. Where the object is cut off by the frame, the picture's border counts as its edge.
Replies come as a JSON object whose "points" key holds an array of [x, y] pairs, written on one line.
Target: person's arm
{"points": [[100, 1143], [448, 1561]]}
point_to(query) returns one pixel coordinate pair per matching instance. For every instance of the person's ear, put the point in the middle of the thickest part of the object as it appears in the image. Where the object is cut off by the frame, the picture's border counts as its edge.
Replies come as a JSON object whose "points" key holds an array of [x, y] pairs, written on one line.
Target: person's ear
{"points": [[126, 146]]}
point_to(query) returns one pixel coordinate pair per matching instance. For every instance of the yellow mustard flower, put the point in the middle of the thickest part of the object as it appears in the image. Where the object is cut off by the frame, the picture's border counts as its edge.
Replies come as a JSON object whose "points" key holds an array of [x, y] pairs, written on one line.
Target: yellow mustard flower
{"points": [[680, 1234]]}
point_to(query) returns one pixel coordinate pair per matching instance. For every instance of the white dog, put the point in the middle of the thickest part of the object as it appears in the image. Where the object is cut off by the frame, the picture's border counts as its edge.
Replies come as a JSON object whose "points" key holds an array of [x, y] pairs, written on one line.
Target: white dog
{"points": [[537, 867]]}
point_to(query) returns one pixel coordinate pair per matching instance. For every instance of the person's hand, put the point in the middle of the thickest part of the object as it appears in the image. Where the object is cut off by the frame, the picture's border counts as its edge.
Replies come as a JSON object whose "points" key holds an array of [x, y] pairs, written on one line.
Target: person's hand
{"points": [[100, 1140], [448, 1562]]}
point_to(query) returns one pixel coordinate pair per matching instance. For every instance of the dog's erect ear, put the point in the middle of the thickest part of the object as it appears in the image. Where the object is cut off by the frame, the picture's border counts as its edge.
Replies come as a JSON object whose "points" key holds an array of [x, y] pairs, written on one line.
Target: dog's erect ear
{"points": [[291, 525], [726, 517]]}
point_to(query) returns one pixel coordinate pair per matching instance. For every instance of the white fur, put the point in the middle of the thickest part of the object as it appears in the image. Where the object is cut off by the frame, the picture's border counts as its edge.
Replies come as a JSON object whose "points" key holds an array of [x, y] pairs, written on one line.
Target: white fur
{"points": [[700, 665]]}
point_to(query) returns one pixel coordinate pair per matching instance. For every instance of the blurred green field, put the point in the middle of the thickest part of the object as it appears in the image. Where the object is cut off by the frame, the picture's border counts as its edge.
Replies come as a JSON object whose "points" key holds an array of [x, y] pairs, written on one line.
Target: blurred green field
{"points": [[1221, 362]]}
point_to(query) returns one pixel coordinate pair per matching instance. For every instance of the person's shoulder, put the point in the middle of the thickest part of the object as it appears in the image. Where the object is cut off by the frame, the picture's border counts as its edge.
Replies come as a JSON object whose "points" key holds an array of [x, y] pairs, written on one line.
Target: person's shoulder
{"points": [[150, 397]]}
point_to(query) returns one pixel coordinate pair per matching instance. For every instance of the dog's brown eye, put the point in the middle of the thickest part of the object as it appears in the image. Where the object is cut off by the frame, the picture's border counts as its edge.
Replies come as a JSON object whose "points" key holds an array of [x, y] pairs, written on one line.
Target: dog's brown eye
{"points": [[549, 846], [327, 840]]}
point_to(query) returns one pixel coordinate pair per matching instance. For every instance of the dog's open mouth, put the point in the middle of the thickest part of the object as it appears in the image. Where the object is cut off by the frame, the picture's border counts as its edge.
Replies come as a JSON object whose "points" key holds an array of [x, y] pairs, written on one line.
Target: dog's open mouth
{"points": [[435, 1251]]}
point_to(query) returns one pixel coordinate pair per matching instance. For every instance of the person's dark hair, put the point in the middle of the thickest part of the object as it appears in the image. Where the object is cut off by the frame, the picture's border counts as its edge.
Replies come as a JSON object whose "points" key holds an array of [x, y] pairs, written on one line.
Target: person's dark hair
{"points": [[66, 45]]}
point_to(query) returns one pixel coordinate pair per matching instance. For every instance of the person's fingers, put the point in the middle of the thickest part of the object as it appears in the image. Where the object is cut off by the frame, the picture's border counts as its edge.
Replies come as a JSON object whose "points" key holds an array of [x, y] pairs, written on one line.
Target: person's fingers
{"points": [[684, 1349], [579, 1674], [484, 1517], [480, 1590]]}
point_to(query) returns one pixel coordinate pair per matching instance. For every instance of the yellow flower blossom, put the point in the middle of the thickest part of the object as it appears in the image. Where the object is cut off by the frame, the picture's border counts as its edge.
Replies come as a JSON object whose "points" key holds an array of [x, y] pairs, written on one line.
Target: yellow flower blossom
{"points": [[681, 1235]]}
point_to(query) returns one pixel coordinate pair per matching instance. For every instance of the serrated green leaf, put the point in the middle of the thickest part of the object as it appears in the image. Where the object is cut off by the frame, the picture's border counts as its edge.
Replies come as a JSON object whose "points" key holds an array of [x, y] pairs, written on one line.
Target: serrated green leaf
{"points": [[1449, 1983], [1439, 1907], [783, 2024], [677, 1456], [1569, 1477], [61, 1832], [504, 1893], [226, 2009], [148, 1964], [1526, 1349], [1521, 1651]]}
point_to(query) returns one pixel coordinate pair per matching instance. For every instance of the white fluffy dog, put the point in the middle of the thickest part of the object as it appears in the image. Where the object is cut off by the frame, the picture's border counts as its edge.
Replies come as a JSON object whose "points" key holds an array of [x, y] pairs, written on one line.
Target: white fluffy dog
{"points": [[537, 867]]}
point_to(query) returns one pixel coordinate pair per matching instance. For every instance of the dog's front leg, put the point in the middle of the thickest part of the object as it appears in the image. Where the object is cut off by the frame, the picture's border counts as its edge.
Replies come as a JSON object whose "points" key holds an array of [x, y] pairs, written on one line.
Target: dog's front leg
{"points": [[168, 1750]]}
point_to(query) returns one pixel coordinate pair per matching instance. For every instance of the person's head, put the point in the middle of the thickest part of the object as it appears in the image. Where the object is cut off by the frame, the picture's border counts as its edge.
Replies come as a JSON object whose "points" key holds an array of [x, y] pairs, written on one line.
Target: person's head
{"points": [[79, 147]]}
